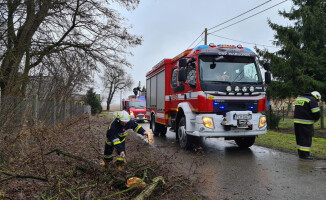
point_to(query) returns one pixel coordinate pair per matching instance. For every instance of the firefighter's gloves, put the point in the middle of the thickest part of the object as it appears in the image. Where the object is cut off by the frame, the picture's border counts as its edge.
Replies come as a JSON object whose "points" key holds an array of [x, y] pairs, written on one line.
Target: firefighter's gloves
{"points": [[146, 133], [122, 154], [150, 138]]}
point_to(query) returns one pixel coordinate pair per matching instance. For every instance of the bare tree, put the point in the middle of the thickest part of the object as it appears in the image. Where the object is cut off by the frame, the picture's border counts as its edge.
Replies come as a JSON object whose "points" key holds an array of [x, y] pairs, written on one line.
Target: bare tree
{"points": [[35, 34], [115, 79], [69, 72]]}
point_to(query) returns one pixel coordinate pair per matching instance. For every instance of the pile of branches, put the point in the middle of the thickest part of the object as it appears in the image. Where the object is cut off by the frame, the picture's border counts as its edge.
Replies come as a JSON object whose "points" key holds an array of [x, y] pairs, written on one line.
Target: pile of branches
{"points": [[65, 163], [105, 182]]}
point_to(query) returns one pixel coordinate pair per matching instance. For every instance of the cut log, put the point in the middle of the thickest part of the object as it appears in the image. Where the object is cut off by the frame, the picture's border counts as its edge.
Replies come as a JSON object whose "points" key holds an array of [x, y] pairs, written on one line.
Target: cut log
{"points": [[150, 188]]}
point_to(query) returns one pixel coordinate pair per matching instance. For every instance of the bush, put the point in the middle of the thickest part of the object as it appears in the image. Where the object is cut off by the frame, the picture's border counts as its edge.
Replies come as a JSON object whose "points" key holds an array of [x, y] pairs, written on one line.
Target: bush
{"points": [[273, 120]]}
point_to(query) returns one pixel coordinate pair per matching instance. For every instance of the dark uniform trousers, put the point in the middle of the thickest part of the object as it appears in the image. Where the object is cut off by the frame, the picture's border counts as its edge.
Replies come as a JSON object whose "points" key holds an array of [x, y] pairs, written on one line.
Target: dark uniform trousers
{"points": [[303, 135], [108, 151]]}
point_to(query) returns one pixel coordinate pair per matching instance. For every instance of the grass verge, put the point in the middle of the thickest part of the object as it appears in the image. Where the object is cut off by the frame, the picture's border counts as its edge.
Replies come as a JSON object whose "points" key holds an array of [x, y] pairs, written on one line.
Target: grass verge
{"points": [[106, 114], [287, 123], [286, 142]]}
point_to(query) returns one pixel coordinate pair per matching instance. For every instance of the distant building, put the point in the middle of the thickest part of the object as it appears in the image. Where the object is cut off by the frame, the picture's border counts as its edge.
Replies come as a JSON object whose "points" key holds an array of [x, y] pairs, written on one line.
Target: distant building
{"points": [[79, 98]]}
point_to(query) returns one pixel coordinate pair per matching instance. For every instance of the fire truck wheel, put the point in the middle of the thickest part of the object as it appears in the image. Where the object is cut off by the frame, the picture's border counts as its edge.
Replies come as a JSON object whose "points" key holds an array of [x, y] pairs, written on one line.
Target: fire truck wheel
{"points": [[184, 139], [245, 142], [154, 126]]}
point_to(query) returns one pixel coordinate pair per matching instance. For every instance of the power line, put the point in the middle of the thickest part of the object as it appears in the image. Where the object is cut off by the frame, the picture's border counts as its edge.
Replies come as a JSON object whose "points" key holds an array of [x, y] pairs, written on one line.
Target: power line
{"points": [[243, 41], [199, 42], [237, 23], [195, 40], [240, 15], [248, 17]]}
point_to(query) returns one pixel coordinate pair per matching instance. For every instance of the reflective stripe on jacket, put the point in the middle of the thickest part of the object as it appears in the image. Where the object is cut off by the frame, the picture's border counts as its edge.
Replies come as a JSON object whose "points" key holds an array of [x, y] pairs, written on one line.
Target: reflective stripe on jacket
{"points": [[306, 109], [117, 133]]}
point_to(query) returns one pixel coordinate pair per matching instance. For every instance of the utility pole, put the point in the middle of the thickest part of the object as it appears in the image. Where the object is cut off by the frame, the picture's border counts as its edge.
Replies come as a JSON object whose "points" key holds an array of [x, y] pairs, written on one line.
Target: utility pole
{"points": [[205, 36], [121, 100]]}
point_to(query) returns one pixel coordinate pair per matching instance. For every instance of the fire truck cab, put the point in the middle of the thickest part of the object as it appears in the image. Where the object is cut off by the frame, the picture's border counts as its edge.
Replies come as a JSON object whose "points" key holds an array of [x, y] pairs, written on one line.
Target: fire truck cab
{"points": [[136, 107], [209, 91]]}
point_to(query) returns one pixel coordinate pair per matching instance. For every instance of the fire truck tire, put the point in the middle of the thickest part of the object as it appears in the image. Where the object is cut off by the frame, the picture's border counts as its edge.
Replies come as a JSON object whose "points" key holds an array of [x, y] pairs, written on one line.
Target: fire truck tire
{"points": [[245, 142], [185, 140], [154, 126]]}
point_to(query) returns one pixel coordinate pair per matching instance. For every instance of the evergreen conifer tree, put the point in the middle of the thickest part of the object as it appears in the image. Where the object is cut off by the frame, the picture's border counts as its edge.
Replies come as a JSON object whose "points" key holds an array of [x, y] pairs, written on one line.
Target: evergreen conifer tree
{"points": [[93, 101], [300, 65]]}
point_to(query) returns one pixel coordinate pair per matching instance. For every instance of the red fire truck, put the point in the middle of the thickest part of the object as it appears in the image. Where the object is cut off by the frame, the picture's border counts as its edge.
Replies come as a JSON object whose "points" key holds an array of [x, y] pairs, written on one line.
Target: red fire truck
{"points": [[136, 107], [209, 91]]}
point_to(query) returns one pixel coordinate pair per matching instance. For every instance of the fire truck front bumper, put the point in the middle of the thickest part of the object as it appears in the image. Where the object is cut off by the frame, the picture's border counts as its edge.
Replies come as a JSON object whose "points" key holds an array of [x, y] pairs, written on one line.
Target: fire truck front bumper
{"points": [[139, 117], [234, 124]]}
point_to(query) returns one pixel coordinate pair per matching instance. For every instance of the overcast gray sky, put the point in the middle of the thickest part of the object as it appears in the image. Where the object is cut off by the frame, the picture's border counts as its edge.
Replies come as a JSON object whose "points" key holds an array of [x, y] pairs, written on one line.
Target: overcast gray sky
{"points": [[169, 27]]}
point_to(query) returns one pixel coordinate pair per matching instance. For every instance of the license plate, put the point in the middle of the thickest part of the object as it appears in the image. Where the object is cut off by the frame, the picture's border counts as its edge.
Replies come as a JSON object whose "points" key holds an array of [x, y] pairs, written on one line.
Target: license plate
{"points": [[242, 116]]}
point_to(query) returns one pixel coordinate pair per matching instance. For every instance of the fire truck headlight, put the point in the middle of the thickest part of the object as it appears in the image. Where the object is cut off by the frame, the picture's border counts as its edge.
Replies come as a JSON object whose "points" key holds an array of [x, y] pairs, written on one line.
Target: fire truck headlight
{"points": [[131, 113], [208, 122], [228, 88], [244, 89], [251, 89], [262, 121], [237, 89]]}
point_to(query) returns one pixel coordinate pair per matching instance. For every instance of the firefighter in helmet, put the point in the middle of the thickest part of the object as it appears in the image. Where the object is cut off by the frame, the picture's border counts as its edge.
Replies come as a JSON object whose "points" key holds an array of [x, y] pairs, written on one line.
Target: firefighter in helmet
{"points": [[305, 114], [136, 90], [116, 135]]}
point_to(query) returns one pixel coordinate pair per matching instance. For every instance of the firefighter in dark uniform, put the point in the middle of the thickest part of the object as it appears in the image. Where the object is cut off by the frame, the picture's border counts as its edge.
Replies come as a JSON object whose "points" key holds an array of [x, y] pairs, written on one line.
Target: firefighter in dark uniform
{"points": [[305, 114], [116, 135], [136, 90]]}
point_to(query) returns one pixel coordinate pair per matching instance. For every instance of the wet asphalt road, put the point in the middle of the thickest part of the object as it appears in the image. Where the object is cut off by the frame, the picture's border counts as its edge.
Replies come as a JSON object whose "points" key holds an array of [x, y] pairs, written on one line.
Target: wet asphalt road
{"points": [[221, 170]]}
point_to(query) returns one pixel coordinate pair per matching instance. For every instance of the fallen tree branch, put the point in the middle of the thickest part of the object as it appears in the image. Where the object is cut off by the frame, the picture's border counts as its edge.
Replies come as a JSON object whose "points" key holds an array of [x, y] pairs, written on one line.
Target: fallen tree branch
{"points": [[69, 191], [59, 151], [150, 188], [70, 194], [12, 176]]}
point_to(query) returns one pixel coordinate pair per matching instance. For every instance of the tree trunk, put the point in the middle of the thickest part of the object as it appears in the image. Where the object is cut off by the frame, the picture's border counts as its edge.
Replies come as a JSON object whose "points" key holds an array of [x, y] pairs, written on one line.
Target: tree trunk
{"points": [[108, 106], [289, 107], [10, 81]]}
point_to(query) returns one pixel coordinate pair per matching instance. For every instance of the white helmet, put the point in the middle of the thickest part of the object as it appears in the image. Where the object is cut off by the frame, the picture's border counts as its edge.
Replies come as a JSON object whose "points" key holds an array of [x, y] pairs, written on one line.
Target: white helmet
{"points": [[316, 95], [123, 116]]}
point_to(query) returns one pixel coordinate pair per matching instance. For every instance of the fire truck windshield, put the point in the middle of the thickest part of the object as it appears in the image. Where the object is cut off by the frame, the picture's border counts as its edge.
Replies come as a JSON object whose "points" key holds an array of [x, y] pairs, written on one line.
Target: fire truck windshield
{"points": [[136, 104], [229, 69]]}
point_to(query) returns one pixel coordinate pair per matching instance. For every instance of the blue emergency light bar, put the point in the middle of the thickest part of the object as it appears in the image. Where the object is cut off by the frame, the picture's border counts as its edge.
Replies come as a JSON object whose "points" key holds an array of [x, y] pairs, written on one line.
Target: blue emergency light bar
{"points": [[201, 47], [141, 97]]}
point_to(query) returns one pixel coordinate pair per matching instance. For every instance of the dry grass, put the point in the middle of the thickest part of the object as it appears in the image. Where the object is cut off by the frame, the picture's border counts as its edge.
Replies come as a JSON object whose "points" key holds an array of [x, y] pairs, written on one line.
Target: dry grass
{"points": [[113, 107]]}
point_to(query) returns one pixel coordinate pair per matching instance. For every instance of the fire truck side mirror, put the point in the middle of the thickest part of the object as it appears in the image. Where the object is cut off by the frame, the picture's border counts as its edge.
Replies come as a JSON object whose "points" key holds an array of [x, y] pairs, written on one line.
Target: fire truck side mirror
{"points": [[182, 74], [267, 66], [268, 78], [182, 62]]}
